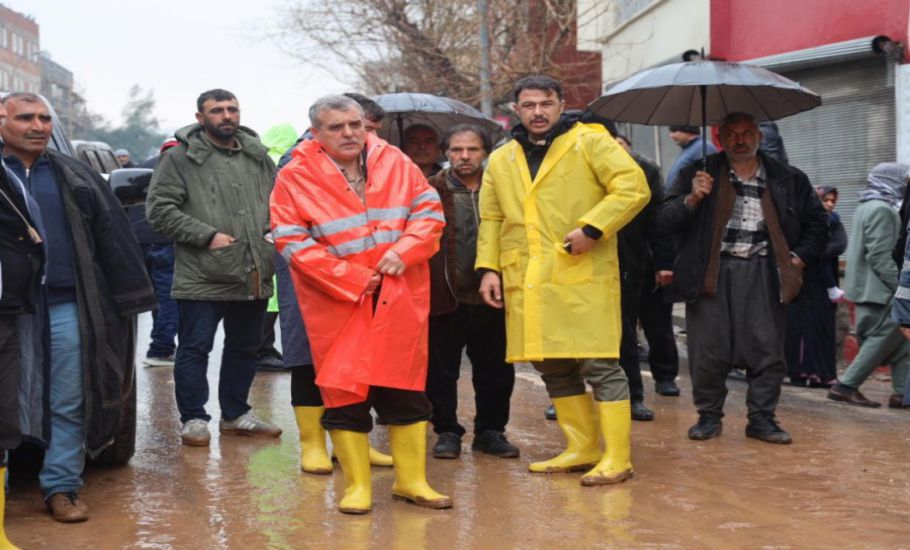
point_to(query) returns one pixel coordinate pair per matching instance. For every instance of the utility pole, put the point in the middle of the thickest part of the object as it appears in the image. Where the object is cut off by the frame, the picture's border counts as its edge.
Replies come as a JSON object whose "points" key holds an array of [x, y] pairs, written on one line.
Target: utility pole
{"points": [[486, 90]]}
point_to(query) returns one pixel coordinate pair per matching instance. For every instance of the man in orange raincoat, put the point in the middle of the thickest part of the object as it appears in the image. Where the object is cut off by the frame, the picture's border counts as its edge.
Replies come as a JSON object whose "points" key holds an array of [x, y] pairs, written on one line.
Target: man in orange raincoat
{"points": [[357, 221]]}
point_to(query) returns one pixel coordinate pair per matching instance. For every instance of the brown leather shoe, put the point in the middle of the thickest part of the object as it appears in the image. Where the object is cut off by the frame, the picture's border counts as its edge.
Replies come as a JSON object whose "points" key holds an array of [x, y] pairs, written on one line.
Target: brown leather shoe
{"points": [[67, 507], [896, 401], [851, 396]]}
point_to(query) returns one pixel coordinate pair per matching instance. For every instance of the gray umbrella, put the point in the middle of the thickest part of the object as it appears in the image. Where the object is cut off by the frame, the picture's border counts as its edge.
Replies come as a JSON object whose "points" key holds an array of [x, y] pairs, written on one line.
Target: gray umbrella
{"points": [[440, 113], [701, 93]]}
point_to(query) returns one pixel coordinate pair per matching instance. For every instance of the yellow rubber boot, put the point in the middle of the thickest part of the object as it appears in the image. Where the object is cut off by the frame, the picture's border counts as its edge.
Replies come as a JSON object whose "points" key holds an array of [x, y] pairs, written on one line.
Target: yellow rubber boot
{"points": [[616, 464], [409, 451], [5, 544], [353, 452], [379, 459], [314, 457], [575, 415]]}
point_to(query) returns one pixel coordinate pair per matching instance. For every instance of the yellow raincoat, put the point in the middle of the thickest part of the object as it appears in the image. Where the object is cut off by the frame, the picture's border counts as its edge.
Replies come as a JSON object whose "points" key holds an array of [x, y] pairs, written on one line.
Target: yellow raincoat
{"points": [[559, 305]]}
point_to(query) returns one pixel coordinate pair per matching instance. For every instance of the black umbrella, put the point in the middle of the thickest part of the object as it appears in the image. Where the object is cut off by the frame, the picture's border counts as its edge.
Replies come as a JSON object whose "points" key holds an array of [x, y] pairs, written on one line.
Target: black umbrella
{"points": [[440, 113], [701, 93]]}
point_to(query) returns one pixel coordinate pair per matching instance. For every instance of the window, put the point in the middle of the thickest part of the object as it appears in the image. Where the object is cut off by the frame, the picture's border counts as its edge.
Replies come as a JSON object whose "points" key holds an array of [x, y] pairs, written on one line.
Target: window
{"points": [[4, 38], [626, 10]]}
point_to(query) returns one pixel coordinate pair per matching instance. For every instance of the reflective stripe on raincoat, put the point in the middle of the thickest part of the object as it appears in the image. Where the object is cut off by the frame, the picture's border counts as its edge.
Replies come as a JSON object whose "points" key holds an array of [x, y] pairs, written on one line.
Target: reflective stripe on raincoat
{"points": [[333, 242], [559, 305]]}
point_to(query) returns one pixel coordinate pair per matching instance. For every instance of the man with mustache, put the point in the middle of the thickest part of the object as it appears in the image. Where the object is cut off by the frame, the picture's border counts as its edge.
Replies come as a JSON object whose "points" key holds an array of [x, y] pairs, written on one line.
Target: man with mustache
{"points": [[551, 205], [95, 284], [458, 317], [210, 194], [747, 226], [356, 221]]}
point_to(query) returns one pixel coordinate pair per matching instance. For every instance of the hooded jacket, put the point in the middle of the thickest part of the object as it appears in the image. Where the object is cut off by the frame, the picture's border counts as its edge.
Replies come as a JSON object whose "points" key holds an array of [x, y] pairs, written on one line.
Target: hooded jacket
{"points": [[333, 242], [198, 190]]}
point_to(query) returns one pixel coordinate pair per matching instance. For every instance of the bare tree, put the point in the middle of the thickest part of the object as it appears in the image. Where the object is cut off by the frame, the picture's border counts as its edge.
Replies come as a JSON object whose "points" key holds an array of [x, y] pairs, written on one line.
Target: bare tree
{"points": [[433, 45]]}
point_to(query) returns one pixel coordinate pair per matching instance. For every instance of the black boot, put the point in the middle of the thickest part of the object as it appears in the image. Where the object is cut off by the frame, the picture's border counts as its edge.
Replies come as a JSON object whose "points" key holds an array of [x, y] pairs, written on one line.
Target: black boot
{"points": [[765, 429], [708, 426], [641, 412]]}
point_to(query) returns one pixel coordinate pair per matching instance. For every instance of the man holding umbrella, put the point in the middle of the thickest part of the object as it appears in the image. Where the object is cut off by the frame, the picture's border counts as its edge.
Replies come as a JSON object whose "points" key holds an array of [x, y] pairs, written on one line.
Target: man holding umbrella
{"points": [[551, 204], [747, 224]]}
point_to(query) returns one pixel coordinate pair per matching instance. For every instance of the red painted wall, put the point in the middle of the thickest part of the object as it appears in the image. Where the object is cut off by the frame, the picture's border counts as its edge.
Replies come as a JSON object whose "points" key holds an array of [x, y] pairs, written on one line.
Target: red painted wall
{"points": [[746, 29]]}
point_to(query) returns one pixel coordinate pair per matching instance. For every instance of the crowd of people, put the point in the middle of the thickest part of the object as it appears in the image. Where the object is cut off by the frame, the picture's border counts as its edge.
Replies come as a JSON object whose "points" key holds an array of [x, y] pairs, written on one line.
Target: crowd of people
{"points": [[386, 264]]}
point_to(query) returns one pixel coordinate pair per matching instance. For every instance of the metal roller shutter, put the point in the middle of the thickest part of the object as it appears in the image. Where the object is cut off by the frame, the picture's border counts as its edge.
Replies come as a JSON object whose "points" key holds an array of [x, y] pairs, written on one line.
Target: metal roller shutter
{"points": [[854, 129]]}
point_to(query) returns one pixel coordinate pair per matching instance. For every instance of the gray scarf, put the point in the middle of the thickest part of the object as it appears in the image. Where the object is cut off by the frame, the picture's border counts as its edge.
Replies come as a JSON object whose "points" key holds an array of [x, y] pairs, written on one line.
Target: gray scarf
{"points": [[886, 182]]}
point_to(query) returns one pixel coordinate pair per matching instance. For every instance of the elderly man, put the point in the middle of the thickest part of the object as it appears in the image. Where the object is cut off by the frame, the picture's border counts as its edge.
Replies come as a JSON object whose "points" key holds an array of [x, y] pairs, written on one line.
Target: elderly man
{"points": [[459, 318], [357, 222], [421, 144], [747, 226], [96, 284], [551, 205], [208, 195], [124, 158]]}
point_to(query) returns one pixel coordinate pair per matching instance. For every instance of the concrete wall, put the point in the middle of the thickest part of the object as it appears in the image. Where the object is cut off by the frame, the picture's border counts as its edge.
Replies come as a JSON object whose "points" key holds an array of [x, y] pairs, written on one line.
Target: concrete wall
{"points": [[663, 30]]}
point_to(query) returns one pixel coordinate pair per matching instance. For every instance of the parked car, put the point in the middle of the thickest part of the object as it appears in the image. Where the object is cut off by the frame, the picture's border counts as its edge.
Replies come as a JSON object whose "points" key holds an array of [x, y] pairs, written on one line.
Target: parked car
{"points": [[123, 445], [97, 153]]}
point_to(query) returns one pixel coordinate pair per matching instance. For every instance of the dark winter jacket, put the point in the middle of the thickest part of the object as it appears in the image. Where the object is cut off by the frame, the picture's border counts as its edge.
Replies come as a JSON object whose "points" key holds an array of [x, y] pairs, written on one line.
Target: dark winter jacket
{"points": [[112, 287], [453, 279], [803, 219], [198, 190], [642, 246], [21, 258]]}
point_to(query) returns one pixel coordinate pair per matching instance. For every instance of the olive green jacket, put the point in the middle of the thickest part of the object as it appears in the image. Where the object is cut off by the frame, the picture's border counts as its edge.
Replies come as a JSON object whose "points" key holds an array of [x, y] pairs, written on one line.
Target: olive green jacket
{"points": [[199, 189]]}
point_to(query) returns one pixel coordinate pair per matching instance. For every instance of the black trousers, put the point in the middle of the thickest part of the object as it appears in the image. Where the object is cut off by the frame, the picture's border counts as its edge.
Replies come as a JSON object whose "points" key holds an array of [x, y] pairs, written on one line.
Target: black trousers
{"points": [[481, 330], [742, 326], [10, 362], [304, 391], [267, 346], [655, 313], [630, 290], [396, 407]]}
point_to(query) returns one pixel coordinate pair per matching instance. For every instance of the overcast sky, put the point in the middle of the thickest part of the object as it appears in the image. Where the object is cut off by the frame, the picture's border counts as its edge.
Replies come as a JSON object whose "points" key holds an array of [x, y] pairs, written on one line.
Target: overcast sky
{"points": [[179, 49]]}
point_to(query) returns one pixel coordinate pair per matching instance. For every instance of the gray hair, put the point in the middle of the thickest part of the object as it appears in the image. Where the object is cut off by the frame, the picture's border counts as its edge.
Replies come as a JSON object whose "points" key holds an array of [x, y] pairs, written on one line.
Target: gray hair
{"points": [[732, 118], [331, 103]]}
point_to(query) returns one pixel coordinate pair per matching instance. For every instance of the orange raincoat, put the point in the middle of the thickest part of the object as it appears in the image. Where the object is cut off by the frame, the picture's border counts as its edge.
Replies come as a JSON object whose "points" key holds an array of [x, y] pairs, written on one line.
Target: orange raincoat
{"points": [[333, 242]]}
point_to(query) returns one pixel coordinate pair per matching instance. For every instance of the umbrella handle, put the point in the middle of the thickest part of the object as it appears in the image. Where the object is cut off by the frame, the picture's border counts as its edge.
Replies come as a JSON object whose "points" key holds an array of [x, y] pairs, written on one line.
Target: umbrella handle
{"points": [[400, 130], [704, 125]]}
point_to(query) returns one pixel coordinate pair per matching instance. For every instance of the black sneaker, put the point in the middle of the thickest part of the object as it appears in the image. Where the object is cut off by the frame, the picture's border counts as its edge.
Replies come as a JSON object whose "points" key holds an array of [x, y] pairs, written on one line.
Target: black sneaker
{"points": [[667, 388], [708, 426], [447, 446], [767, 430], [641, 412], [494, 443], [550, 413]]}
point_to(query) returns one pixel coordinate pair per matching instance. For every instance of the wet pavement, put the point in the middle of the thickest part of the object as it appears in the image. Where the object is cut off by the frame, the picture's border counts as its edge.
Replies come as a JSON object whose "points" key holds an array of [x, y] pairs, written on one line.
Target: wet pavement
{"points": [[844, 482]]}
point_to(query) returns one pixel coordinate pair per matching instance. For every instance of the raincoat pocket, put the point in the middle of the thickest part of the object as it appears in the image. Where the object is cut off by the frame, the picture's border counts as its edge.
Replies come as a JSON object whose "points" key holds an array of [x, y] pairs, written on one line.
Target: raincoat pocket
{"points": [[572, 270], [511, 268]]}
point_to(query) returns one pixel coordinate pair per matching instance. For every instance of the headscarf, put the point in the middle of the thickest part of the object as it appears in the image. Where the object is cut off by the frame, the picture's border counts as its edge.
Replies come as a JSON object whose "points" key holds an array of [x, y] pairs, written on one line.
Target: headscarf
{"points": [[886, 182]]}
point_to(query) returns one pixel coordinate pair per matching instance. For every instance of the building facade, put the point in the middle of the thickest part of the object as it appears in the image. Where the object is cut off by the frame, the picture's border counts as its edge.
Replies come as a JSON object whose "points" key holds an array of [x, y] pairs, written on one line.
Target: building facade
{"points": [[20, 69], [851, 53]]}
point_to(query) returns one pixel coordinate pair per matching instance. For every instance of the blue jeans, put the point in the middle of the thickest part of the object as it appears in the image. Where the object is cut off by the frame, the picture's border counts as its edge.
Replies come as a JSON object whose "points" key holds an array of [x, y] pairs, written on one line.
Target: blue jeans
{"points": [[64, 459], [242, 334], [159, 262]]}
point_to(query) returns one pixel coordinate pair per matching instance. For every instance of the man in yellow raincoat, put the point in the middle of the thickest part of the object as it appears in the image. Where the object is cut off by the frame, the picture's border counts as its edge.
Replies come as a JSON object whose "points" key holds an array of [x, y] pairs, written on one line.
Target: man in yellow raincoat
{"points": [[551, 204]]}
